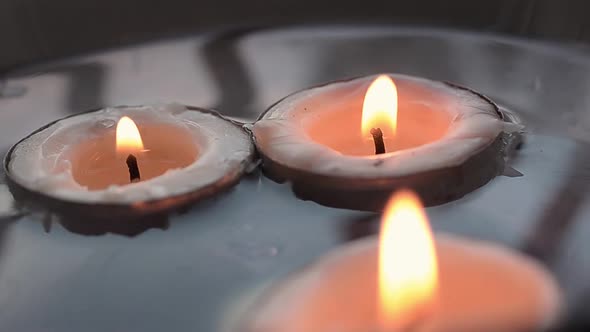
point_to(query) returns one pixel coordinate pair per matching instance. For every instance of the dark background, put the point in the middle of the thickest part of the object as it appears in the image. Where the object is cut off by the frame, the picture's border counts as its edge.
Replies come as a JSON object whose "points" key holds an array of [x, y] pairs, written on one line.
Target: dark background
{"points": [[33, 30]]}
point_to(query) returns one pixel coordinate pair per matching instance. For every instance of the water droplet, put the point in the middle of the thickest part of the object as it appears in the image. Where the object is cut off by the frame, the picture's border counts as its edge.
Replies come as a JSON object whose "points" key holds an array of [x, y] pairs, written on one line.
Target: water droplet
{"points": [[11, 91], [247, 227], [537, 84], [105, 123], [254, 250], [7, 203]]}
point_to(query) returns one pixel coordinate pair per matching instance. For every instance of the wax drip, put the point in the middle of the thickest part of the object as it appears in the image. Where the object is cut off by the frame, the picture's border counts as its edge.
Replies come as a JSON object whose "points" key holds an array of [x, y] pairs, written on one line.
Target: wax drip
{"points": [[134, 175], [378, 139]]}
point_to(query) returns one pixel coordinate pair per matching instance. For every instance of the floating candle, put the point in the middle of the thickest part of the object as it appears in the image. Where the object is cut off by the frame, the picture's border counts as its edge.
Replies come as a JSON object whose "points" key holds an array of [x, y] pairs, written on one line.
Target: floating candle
{"points": [[80, 163], [407, 282], [443, 140], [104, 157]]}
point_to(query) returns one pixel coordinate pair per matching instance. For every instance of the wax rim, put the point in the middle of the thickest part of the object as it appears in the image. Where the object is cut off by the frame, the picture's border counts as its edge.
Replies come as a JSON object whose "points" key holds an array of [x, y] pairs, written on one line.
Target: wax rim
{"points": [[273, 126], [244, 163]]}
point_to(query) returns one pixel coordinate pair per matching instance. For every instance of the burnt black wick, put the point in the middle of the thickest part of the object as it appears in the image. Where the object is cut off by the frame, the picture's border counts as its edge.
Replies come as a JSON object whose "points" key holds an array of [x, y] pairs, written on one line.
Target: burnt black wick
{"points": [[378, 139], [133, 169]]}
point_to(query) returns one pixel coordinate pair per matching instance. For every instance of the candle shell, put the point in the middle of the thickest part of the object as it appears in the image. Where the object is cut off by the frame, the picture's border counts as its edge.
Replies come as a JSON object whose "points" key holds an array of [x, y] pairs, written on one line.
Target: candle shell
{"points": [[452, 141], [482, 287], [209, 154]]}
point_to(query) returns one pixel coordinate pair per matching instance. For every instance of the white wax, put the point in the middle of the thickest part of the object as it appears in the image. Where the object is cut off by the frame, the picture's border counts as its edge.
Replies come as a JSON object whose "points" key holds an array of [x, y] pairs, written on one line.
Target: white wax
{"points": [[319, 130], [482, 287], [75, 158]]}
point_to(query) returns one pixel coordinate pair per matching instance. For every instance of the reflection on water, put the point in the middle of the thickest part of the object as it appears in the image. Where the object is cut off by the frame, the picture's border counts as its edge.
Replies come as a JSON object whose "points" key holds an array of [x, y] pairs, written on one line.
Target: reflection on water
{"points": [[230, 72]]}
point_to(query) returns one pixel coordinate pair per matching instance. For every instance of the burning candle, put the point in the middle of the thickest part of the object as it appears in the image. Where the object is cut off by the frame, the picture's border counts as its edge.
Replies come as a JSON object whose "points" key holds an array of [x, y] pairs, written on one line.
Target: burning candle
{"points": [[407, 278], [406, 281], [129, 160], [380, 112], [118, 157], [349, 144], [129, 143]]}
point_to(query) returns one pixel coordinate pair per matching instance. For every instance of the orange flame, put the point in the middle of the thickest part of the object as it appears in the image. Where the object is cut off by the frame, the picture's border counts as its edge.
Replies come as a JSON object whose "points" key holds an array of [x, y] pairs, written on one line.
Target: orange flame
{"points": [[380, 107], [408, 271], [128, 137]]}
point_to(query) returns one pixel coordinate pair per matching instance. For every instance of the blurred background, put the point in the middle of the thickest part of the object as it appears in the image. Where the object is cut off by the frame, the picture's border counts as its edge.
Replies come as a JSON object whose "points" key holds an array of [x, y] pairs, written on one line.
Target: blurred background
{"points": [[34, 30]]}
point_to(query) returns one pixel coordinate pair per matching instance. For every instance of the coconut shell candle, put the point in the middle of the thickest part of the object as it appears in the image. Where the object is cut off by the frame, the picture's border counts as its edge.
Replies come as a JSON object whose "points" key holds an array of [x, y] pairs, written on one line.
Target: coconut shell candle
{"points": [[129, 160], [407, 281], [349, 144]]}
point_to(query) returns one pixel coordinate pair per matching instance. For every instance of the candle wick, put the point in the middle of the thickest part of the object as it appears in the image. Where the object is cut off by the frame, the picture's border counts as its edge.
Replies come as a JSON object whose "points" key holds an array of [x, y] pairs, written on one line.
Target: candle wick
{"points": [[134, 175], [378, 139]]}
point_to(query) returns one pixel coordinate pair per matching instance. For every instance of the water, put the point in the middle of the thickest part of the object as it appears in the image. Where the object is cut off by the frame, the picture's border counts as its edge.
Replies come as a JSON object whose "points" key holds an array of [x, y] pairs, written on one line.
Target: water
{"points": [[186, 275]]}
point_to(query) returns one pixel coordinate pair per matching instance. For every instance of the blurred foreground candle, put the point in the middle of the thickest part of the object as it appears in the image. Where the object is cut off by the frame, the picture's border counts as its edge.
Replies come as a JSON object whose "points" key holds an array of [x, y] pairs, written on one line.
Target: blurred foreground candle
{"points": [[132, 160], [407, 267], [407, 281], [349, 144]]}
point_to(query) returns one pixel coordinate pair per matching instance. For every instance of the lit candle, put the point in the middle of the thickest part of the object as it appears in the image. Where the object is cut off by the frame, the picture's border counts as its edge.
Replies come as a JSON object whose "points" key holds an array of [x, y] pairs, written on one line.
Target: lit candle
{"points": [[379, 116], [113, 158], [406, 281], [129, 160], [349, 144], [129, 144]]}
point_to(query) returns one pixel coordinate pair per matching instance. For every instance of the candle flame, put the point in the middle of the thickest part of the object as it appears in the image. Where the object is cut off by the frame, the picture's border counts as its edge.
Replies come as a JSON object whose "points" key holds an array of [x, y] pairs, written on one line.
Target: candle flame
{"points": [[380, 107], [408, 271], [128, 137]]}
